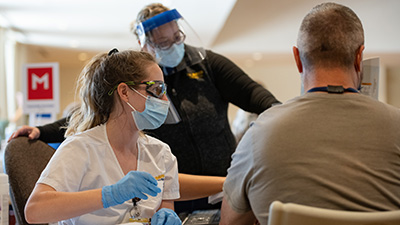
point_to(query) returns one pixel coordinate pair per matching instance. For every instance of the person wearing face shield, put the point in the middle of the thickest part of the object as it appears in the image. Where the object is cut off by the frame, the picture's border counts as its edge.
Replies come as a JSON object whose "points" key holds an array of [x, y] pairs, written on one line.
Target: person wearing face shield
{"points": [[201, 84]]}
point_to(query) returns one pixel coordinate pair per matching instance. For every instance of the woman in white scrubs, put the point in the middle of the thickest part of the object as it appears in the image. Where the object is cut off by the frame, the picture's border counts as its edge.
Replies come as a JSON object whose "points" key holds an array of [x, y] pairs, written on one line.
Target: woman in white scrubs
{"points": [[107, 171]]}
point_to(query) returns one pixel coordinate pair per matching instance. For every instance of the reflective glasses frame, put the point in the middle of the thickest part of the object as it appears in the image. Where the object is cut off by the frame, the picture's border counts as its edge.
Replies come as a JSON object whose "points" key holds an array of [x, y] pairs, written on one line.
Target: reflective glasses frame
{"points": [[156, 88], [165, 45]]}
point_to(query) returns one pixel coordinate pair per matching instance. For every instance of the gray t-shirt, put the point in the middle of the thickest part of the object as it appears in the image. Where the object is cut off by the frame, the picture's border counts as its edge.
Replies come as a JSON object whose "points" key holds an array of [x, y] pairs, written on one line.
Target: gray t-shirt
{"points": [[337, 151]]}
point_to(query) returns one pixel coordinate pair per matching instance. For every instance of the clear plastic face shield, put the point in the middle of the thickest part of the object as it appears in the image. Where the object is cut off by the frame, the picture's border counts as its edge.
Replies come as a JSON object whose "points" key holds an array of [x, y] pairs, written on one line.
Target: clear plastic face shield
{"points": [[171, 40]]}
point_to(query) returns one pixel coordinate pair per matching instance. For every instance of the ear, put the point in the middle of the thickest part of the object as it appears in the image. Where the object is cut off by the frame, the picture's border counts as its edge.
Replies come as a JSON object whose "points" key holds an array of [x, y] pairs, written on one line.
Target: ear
{"points": [[122, 90], [296, 55], [359, 58]]}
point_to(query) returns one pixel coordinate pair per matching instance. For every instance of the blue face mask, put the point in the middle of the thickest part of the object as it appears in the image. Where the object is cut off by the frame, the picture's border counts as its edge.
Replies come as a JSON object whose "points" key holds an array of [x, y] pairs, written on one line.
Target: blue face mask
{"points": [[153, 115], [172, 56]]}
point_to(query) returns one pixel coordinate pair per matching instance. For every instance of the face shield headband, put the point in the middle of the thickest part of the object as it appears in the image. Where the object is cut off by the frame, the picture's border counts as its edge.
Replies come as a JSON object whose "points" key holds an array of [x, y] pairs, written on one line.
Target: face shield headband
{"points": [[155, 22]]}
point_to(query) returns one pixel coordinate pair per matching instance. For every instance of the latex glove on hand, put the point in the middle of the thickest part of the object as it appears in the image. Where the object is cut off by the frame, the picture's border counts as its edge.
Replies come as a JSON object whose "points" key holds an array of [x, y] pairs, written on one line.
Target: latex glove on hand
{"points": [[135, 184], [165, 216]]}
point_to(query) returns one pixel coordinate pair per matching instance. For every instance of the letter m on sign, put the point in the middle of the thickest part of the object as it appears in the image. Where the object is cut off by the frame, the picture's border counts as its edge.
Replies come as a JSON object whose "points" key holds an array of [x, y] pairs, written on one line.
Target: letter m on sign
{"points": [[40, 83]]}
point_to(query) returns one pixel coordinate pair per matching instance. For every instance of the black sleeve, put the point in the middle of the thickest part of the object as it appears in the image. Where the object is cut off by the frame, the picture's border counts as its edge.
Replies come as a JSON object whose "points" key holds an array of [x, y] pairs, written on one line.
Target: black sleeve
{"points": [[53, 132], [237, 87]]}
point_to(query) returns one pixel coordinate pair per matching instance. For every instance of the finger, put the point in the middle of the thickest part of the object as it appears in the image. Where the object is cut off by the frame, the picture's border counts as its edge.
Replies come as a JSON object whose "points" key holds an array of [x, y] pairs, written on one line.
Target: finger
{"points": [[172, 218], [11, 137], [149, 178], [21, 131], [142, 196], [149, 190], [168, 219], [153, 186], [17, 133], [160, 218], [177, 221], [152, 190], [33, 135], [143, 178]]}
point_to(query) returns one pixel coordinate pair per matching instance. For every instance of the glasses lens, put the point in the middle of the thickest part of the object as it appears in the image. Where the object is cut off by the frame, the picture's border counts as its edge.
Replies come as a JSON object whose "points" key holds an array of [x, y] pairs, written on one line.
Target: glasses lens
{"points": [[165, 45], [180, 38], [156, 88]]}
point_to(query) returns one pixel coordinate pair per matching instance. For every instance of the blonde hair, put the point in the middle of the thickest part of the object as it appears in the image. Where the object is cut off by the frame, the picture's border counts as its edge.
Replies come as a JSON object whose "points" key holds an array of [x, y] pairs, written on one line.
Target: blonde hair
{"points": [[101, 75], [146, 13]]}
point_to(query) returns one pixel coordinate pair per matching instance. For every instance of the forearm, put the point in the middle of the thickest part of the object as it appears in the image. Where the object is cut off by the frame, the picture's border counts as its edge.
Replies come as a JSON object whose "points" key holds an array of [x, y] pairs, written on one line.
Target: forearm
{"points": [[252, 97], [237, 87], [53, 132], [167, 204], [230, 217], [46, 205], [195, 186]]}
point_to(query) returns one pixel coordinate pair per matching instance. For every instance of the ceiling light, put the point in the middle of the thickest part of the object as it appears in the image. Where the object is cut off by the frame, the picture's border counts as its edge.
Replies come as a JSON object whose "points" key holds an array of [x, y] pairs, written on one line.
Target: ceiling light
{"points": [[83, 56]]}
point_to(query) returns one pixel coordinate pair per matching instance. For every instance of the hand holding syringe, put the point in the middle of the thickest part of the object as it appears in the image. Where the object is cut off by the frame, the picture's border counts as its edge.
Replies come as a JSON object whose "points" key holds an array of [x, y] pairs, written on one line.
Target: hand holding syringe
{"points": [[135, 212], [135, 184]]}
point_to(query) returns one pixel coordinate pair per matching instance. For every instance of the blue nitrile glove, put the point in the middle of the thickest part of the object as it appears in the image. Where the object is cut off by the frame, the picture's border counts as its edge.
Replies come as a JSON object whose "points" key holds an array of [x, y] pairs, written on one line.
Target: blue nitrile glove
{"points": [[134, 184], [165, 216]]}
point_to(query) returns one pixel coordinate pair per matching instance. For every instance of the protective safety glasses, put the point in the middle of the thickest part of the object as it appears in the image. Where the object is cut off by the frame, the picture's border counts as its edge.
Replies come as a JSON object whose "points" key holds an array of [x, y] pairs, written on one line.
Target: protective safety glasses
{"points": [[178, 38], [156, 88]]}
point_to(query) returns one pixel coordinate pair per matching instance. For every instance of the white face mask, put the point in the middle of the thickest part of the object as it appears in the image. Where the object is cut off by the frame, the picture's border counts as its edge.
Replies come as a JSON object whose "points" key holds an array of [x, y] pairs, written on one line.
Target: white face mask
{"points": [[153, 115], [172, 56]]}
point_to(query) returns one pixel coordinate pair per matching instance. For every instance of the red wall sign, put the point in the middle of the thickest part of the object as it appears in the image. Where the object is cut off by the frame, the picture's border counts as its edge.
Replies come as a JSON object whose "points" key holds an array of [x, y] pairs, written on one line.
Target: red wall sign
{"points": [[40, 83], [41, 88]]}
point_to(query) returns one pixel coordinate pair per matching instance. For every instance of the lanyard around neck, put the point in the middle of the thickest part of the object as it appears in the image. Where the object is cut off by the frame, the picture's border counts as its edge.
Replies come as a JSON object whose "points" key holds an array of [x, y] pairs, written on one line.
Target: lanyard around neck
{"points": [[333, 89]]}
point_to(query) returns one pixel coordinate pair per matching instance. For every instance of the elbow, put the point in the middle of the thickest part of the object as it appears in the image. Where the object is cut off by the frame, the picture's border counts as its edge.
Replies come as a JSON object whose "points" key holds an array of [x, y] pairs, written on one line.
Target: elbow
{"points": [[32, 214]]}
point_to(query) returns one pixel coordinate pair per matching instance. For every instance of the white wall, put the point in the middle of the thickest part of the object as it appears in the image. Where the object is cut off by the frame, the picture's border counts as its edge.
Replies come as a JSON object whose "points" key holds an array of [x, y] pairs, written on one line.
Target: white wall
{"points": [[277, 73]]}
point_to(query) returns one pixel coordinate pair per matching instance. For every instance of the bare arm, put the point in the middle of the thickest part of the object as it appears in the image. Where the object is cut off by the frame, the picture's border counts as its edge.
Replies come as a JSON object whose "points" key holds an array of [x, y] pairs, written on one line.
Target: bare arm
{"points": [[167, 204], [197, 186], [230, 217], [47, 205]]}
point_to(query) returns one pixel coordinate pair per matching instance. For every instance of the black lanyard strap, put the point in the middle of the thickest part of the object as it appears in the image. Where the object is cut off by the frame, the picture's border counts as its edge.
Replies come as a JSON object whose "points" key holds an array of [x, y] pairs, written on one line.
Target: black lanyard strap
{"points": [[333, 89]]}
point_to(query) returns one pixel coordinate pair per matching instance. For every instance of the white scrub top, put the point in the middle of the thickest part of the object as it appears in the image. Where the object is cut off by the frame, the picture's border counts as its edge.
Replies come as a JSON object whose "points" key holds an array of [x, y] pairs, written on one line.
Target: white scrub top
{"points": [[86, 161]]}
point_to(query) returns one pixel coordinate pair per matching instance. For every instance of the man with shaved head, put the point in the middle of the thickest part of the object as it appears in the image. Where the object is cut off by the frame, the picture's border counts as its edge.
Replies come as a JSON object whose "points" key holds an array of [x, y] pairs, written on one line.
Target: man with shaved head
{"points": [[331, 147]]}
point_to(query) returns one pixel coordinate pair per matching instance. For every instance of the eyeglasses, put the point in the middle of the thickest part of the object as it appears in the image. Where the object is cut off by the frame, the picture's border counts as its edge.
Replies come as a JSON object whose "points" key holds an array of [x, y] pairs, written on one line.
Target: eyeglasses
{"points": [[179, 38], [156, 88]]}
